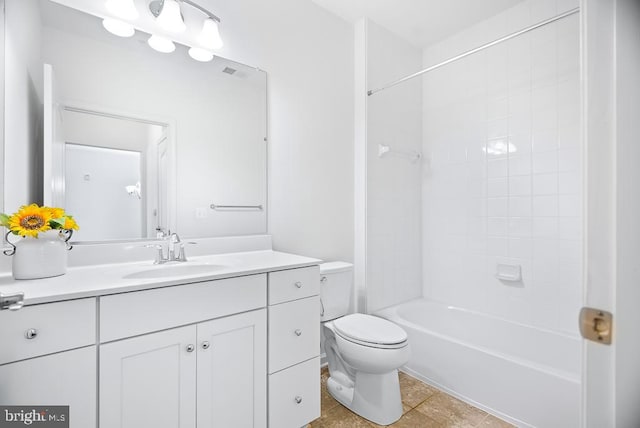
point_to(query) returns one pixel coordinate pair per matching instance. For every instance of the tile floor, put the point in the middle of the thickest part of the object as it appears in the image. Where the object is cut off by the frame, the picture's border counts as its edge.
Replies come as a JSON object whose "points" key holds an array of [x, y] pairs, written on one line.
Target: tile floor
{"points": [[424, 407]]}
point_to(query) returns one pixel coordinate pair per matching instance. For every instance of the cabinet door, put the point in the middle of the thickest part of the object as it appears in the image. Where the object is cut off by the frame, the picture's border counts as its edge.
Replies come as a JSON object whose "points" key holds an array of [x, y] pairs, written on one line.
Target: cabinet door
{"points": [[63, 379], [232, 371], [149, 381]]}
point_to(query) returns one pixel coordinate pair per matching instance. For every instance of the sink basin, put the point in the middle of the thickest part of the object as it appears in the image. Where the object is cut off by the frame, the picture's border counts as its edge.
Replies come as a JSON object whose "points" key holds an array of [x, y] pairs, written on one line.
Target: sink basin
{"points": [[169, 270]]}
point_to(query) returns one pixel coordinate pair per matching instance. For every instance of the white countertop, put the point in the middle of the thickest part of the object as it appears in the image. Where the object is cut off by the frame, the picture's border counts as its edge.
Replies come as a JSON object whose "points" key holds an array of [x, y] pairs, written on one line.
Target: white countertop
{"points": [[99, 280]]}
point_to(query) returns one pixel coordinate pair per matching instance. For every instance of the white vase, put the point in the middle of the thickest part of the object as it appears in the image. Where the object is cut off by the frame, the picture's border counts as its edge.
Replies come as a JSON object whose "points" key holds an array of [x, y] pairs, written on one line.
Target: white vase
{"points": [[41, 257]]}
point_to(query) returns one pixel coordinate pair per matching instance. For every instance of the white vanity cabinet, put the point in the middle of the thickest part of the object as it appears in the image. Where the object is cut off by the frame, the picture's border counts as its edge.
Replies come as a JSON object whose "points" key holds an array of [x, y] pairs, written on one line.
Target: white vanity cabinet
{"points": [[294, 347], [208, 373], [48, 357]]}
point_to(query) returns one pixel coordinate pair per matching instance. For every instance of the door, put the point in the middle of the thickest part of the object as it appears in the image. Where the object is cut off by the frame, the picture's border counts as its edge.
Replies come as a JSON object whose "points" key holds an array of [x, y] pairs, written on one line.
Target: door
{"points": [[62, 379], [148, 381], [232, 371], [53, 150], [611, 97]]}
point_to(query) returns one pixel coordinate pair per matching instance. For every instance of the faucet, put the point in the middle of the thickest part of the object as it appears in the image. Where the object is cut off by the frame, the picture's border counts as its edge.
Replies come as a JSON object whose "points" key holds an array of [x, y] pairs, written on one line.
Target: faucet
{"points": [[173, 240]]}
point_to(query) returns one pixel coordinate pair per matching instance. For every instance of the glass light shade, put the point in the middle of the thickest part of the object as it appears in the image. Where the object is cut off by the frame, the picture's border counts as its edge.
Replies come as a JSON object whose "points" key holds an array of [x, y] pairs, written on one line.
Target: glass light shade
{"points": [[161, 44], [171, 18], [210, 35], [124, 9], [119, 28], [200, 54]]}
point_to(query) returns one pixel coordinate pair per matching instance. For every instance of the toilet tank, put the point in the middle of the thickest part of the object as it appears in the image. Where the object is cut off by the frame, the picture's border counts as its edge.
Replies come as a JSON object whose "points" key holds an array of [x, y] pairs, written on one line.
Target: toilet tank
{"points": [[336, 288]]}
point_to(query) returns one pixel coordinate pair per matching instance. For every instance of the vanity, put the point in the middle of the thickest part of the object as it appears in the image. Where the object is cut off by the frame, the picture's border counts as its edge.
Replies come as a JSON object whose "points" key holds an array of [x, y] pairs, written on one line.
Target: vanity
{"points": [[237, 346]]}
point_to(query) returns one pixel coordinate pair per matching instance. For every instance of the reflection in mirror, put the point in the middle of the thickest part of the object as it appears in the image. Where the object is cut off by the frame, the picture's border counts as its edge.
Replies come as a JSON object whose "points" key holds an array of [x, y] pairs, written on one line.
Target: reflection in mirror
{"points": [[100, 91], [113, 170]]}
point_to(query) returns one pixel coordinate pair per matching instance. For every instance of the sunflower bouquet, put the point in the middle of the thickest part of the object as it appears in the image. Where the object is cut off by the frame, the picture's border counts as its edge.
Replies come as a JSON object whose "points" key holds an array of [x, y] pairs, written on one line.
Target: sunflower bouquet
{"points": [[33, 219]]}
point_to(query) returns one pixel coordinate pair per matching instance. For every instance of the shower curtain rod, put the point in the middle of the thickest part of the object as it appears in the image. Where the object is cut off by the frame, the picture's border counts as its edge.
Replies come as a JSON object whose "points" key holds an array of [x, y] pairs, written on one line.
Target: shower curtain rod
{"points": [[472, 51]]}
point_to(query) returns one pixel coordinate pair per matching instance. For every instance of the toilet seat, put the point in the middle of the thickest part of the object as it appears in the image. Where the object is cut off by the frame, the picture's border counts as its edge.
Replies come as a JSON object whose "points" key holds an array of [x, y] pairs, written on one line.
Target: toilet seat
{"points": [[371, 331]]}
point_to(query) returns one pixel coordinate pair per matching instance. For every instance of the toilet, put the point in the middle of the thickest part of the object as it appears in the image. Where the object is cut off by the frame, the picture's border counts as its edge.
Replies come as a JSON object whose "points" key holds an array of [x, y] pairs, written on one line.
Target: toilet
{"points": [[363, 352]]}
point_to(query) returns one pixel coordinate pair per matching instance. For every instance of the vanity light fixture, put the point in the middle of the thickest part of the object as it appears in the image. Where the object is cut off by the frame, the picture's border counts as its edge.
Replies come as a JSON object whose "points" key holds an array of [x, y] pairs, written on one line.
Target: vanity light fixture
{"points": [[123, 9], [169, 16], [200, 54], [118, 28], [210, 35], [161, 44]]}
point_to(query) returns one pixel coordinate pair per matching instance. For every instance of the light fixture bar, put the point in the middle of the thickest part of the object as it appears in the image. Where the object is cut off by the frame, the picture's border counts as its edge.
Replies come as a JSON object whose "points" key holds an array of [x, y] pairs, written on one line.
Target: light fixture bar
{"points": [[156, 7], [201, 9]]}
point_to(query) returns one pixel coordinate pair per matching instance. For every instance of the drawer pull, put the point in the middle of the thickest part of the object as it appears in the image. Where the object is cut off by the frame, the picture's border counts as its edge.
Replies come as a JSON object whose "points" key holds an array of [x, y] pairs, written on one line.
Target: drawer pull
{"points": [[298, 399], [190, 348], [206, 345], [31, 333], [298, 332], [298, 284]]}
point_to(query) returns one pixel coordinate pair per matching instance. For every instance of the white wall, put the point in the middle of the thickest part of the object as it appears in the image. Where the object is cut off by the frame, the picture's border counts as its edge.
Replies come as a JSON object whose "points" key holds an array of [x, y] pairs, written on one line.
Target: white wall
{"points": [[394, 118], [484, 205], [22, 105], [308, 54]]}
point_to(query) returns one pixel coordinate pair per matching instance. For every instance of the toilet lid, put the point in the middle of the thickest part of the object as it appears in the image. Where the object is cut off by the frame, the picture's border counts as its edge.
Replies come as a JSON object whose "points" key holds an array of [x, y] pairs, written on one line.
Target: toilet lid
{"points": [[369, 329]]}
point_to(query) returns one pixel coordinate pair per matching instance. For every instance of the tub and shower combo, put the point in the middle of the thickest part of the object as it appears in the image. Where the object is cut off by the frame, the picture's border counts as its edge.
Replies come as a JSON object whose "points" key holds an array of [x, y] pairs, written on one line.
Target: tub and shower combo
{"points": [[523, 374]]}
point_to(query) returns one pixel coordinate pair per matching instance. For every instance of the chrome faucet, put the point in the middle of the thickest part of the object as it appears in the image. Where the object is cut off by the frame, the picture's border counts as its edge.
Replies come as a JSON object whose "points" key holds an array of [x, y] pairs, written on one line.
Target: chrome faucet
{"points": [[173, 240]]}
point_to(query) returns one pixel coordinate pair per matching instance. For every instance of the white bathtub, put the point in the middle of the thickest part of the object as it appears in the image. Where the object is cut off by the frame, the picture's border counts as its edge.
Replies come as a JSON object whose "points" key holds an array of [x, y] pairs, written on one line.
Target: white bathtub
{"points": [[528, 376]]}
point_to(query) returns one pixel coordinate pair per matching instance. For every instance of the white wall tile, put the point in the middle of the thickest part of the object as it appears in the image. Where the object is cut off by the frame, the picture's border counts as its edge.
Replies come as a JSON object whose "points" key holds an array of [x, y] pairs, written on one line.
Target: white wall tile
{"points": [[515, 111]]}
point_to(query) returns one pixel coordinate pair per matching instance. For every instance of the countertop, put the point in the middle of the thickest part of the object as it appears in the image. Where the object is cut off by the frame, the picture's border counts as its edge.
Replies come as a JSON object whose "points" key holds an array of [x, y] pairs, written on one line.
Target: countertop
{"points": [[100, 280]]}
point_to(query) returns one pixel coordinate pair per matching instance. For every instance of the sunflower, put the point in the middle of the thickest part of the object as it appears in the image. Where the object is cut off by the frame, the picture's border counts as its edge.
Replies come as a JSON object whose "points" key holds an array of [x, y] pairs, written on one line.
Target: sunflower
{"points": [[70, 223], [55, 212], [29, 220]]}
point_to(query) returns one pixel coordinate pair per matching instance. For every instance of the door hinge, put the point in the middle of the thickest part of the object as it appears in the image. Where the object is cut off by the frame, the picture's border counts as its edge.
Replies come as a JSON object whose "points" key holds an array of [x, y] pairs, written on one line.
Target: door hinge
{"points": [[596, 325]]}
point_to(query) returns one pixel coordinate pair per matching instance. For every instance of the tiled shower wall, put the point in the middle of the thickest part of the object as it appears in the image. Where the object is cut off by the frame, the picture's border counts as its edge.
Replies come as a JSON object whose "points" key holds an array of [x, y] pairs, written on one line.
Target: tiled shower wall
{"points": [[394, 118], [504, 185]]}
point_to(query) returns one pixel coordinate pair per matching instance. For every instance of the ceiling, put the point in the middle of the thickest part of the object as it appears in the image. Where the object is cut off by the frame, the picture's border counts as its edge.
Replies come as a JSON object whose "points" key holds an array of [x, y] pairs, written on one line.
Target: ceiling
{"points": [[421, 22]]}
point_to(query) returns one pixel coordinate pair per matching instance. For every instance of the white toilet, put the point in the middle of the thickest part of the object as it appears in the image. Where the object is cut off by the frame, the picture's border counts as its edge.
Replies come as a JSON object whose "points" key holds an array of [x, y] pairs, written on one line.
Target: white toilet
{"points": [[364, 352]]}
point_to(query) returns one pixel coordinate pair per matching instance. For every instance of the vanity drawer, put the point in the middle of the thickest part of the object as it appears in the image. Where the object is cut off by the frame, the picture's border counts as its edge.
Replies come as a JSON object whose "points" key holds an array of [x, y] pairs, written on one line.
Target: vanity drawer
{"points": [[131, 314], [293, 284], [294, 332], [294, 395], [47, 328]]}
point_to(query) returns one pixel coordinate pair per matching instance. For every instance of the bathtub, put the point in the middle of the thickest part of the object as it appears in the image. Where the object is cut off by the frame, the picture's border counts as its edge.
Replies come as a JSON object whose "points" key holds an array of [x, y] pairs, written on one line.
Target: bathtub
{"points": [[525, 375]]}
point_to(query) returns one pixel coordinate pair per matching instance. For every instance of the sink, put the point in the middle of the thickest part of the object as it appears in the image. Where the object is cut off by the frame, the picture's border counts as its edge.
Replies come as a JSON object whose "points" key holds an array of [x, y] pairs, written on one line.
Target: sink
{"points": [[169, 270]]}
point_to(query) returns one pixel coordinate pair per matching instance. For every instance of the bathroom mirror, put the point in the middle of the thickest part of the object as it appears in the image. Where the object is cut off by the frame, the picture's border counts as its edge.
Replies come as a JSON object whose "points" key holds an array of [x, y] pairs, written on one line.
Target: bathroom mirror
{"points": [[137, 141]]}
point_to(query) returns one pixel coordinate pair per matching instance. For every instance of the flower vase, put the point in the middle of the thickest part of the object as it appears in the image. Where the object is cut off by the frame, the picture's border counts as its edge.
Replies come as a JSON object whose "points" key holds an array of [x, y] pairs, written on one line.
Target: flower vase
{"points": [[41, 257]]}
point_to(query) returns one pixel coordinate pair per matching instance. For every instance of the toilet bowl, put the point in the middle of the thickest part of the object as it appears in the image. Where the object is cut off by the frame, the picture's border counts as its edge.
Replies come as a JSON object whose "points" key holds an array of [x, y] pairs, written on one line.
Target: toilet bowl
{"points": [[363, 352]]}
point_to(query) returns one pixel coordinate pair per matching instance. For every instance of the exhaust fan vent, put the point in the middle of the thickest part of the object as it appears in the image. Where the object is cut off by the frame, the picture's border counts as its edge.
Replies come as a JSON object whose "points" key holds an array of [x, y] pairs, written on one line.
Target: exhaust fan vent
{"points": [[229, 70]]}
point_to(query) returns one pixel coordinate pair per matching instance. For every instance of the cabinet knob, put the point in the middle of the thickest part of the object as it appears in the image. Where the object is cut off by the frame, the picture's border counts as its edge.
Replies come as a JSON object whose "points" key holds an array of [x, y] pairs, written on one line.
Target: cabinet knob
{"points": [[298, 332], [298, 399], [31, 333], [190, 348], [298, 284], [206, 345]]}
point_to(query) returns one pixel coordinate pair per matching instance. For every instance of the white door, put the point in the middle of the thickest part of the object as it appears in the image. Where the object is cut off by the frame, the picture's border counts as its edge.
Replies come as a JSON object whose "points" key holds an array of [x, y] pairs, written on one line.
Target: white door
{"points": [[53, 150], [611, 88], [232, 371], [149, 381], [62, 379]]}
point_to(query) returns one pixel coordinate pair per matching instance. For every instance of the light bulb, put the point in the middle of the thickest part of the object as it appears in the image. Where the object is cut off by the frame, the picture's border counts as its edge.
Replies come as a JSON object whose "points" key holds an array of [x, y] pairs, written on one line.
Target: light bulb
{"points": [[210, 35], [171, 18], [161, 44], [119, 28], [200, 54], [124, 9]]}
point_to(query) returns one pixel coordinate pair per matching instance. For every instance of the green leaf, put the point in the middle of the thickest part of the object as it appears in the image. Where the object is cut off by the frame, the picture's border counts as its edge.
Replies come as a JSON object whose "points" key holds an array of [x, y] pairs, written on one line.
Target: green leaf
{"points": [[4, 220], [57, 223]]}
